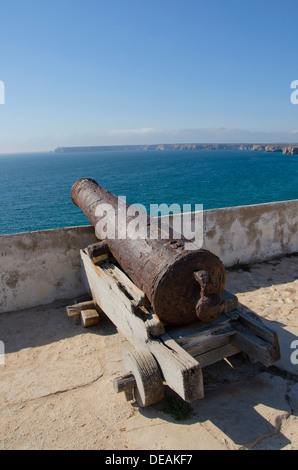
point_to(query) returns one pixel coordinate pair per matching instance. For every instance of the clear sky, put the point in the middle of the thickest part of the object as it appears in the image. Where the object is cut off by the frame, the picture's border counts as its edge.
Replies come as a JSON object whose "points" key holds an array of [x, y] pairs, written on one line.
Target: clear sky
{"points": [[94, 72]]}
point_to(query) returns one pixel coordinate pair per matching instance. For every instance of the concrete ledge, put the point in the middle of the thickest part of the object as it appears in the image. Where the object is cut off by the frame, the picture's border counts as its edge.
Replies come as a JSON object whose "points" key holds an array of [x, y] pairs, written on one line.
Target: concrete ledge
{"points": [[37, 268], [249, 234]]}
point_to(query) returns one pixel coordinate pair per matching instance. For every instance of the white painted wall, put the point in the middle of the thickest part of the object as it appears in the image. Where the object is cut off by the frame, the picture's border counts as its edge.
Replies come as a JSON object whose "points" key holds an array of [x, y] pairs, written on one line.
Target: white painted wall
{"points": [[247, 234], [37, 268]]}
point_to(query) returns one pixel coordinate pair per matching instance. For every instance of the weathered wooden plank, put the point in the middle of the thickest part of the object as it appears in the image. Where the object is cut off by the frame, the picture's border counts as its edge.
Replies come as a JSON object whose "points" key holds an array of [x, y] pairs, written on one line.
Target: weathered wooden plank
{"points": [[182, 373], [245, 332], [199, 340], [230, 301], [74, 310], [89, 318], [153, 324], [183, 355], [124, 383], [199, 327], [217, 354], [255, 324], [121, 301], [135, 295], [211, 344], [201, 344], [254, 338], [261, 350]]}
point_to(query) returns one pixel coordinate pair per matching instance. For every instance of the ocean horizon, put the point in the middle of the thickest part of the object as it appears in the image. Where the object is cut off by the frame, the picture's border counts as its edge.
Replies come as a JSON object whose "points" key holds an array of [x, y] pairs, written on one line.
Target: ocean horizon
{"points": [[35, 187]]}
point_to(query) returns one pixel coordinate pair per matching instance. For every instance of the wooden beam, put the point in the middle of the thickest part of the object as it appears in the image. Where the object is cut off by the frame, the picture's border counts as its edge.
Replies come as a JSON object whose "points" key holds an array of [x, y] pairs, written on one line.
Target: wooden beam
{"points": [[217, 354], [205, 337], [182, 373], [255, 324], [263, 351], [74, 310], [89, 318], [124, 383], [255, 339], [230, 301], [121, 301]]}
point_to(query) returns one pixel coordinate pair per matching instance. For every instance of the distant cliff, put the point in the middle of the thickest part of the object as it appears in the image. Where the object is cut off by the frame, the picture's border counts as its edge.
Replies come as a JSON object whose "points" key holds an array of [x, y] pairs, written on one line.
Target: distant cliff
{"points": [[290, 150], [284, 148]]}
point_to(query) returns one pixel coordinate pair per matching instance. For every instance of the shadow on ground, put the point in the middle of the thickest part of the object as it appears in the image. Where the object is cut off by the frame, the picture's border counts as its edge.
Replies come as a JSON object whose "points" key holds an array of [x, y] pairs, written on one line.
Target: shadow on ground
{"points": [[254, 277], [43, 325], [243, 404]]}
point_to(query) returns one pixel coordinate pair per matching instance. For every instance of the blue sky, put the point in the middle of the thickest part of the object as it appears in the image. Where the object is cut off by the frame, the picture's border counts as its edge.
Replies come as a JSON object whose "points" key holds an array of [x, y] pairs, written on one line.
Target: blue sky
{"points": [[93, 72]]}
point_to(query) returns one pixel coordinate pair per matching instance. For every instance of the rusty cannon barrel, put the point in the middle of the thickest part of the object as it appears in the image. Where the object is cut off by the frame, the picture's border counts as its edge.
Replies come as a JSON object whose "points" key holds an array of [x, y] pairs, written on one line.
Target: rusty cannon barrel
{"points": [[182, 285]]}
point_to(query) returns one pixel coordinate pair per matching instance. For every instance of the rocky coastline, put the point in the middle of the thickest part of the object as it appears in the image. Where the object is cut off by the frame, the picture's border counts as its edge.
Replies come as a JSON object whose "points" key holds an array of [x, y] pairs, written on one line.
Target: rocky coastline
{"points": [[285, 149]]}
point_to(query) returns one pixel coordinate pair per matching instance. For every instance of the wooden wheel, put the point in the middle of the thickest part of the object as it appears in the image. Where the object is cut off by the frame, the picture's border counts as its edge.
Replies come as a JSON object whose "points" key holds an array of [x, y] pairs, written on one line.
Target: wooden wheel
{"points": [[149, 383]]}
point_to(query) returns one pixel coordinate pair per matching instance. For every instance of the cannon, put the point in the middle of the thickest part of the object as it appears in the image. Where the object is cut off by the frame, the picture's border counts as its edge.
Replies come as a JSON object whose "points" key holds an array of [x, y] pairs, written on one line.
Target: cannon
{"points": [[182, 285], [154, 290]]}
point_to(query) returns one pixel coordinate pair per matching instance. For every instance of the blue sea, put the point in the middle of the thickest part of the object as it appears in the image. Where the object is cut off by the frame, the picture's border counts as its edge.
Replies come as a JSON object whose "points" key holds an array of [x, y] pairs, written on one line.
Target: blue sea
{"points": [[35, 188]]}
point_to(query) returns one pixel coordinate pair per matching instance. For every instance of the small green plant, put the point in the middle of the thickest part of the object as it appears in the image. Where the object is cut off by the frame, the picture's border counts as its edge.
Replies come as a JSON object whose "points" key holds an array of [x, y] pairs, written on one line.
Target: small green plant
{"points": [[274, 370], [242, 266], [290, 255], [177, 408]]}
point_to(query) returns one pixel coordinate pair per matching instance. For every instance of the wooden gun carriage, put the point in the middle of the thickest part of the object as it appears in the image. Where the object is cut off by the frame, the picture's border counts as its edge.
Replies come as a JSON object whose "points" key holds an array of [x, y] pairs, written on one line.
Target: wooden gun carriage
{"points": [[162, 352]]}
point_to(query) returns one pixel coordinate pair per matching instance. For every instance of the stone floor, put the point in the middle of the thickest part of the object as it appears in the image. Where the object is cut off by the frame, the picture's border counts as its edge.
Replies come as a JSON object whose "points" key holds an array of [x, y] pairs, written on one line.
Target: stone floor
{"points": [[56, 387]]}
